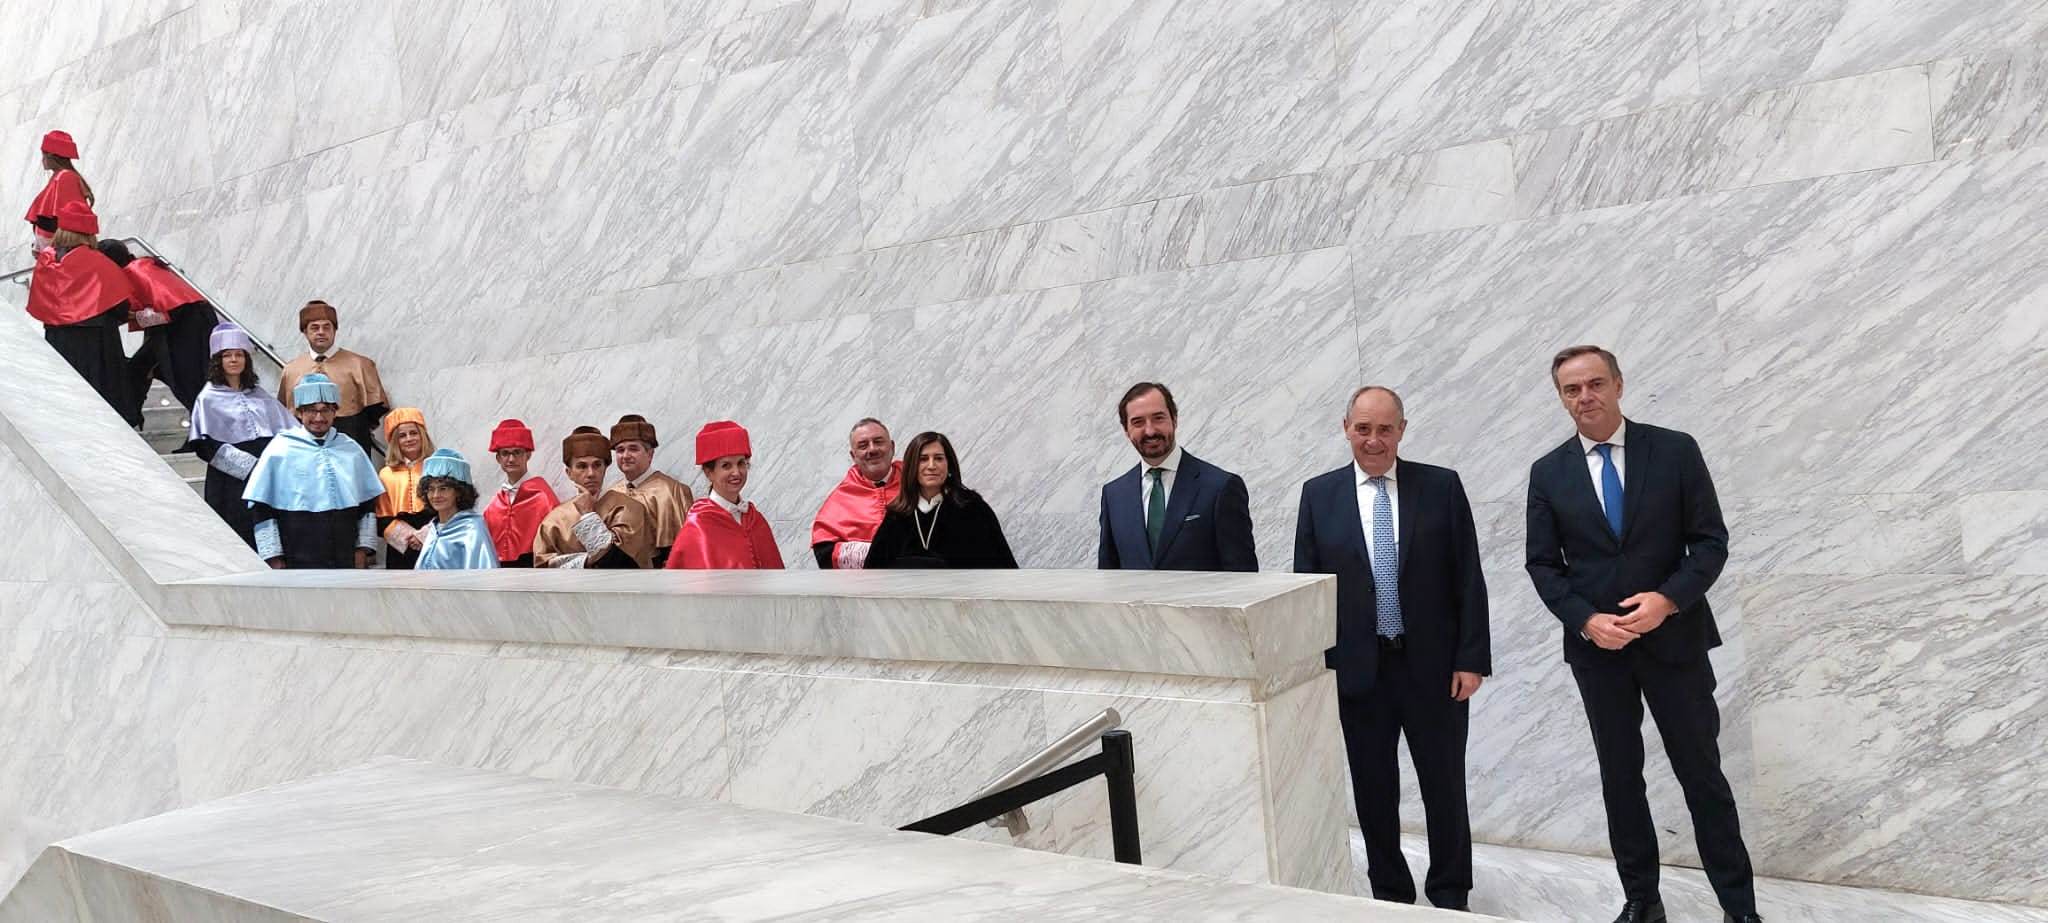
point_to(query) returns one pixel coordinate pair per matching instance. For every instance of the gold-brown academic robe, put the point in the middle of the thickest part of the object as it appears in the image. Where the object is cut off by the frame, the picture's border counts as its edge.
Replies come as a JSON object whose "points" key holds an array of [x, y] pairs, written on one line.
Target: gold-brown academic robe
{"points": [[630, 522], [363, 401], [668, 504]]}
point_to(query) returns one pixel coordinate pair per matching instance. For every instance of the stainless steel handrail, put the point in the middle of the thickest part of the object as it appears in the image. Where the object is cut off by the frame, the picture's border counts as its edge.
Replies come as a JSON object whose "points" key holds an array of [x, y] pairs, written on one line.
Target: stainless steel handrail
{"points": [[1037, 764], [21, 277]]}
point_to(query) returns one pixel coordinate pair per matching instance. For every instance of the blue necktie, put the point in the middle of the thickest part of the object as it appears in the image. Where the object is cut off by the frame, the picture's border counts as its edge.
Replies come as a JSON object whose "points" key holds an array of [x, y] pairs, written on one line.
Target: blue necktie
{"points": [[1610, 487], [1386, 571]]}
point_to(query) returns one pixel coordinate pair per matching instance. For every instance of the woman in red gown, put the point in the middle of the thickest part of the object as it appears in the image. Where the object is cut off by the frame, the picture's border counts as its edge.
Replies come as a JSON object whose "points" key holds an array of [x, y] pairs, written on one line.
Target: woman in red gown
{"points": [[723, 531]]}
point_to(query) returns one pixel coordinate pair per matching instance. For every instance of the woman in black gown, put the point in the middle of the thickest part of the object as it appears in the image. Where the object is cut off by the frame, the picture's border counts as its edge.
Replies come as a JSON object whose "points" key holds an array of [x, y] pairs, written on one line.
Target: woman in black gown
{"points": [[936, 522], [232, 421]]}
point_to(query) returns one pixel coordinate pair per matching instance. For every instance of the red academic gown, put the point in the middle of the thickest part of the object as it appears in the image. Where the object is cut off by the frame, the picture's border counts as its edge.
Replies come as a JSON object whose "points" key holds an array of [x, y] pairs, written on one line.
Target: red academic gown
{"points": [[853, 510], [514, 524], [64, 186], [712, 540], [156, 286], [81, 286]]}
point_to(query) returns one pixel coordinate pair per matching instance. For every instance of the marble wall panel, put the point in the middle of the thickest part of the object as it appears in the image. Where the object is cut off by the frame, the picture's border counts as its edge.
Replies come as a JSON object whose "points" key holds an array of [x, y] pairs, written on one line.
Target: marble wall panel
{"points": [[113, 892], [1903, 731], [55, 551], [1418, 77], [960, 123], [43, 895], [1303, 752], [1166, 97], [1463, 186], [2005, 532], [1986, 103], [1746, 44]]}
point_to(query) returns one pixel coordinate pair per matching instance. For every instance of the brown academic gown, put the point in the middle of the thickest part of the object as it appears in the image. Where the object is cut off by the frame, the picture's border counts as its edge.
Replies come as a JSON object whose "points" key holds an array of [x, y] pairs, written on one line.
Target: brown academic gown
{"points": [[668, 503], [627, 517], [363, 401]]}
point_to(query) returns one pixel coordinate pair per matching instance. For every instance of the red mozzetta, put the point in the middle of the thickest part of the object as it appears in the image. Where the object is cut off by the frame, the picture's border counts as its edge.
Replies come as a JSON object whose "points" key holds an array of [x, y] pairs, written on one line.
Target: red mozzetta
{"points": [[81, 285]]}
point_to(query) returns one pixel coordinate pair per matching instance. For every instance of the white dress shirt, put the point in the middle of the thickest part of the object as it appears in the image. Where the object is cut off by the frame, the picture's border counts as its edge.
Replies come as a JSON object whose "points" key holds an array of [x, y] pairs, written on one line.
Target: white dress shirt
{"points": [[1367, 494], [738, 510], [1619, 453], [1167, 466]]}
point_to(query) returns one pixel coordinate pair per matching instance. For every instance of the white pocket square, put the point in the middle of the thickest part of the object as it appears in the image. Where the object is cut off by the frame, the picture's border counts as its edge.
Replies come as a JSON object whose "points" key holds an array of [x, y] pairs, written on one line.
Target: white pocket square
{"points": [[1192, 518]]}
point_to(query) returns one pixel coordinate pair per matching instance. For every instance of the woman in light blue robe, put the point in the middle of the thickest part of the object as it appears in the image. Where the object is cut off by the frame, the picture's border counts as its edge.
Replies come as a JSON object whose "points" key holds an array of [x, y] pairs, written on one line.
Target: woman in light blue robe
{"points": [[457, 539]]}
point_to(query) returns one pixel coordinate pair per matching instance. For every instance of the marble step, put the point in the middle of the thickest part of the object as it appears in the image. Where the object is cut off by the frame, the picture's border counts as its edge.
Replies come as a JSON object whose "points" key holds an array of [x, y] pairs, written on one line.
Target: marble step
{"points": [[1533, 884]]}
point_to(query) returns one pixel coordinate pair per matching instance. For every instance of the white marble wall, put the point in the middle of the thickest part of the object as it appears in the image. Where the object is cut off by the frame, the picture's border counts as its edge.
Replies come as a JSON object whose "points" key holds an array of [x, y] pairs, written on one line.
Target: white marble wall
{"points": [[1811, 231]]}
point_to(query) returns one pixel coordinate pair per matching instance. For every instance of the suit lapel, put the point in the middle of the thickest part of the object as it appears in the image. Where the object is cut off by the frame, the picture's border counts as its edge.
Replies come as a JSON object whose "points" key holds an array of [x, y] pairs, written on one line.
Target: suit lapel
{"points": [[1127, 517], [1578, 487], [1179, 500], [1353, 527], [1404, 525]]}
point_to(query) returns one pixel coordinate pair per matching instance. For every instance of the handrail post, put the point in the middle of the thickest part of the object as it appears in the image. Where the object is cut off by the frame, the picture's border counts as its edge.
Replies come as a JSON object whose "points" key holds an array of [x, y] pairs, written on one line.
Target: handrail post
{"points": [[1122, 777]]}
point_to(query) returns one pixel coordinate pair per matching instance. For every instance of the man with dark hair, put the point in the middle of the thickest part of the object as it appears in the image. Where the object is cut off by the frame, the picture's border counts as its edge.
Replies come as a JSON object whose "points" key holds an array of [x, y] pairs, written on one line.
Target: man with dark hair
{"points": [[846, 523], [363, 401], [1171, 511], [1625, 536], [313, 494], [667, 499], [595, 528], [1413, 643]]}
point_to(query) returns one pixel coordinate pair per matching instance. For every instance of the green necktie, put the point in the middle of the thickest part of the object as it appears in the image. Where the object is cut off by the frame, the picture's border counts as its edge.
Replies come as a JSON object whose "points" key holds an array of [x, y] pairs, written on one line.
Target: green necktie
{"points": [[1155, 509]]}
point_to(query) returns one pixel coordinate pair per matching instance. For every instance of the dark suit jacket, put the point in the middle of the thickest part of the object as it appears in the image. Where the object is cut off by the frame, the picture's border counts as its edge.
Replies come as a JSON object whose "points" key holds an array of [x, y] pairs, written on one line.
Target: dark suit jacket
{"points": [[1443, 592], [1672, 541], [1208, 522]]}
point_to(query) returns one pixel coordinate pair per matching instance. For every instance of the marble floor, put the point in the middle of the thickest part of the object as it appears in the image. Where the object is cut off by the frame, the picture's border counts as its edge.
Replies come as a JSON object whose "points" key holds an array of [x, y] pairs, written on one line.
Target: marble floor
{"points": [[1549, 887]]}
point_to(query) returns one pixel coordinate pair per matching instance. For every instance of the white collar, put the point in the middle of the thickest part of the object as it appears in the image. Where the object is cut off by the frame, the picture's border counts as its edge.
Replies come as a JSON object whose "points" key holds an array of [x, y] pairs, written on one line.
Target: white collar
{"points": [[1363, 478], [642, 479], [1170, 464], [737, 509], [928, 504], [331, 350], [1620, 438]]}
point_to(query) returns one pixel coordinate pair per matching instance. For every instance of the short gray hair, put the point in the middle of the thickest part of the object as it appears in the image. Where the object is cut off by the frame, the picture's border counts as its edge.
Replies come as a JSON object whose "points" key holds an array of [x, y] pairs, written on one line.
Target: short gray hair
{"points": [[1399, 408]]}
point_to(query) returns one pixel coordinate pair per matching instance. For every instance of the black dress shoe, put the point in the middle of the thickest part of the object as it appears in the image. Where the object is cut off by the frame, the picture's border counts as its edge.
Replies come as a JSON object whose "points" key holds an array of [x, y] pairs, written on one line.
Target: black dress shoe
{"points": [[1641, 912], [1745, 918]]}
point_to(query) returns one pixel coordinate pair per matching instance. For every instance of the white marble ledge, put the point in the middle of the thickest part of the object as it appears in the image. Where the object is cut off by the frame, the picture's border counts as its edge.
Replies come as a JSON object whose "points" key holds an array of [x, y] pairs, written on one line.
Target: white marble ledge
{"points": [[404, 840], [1268, 629]]}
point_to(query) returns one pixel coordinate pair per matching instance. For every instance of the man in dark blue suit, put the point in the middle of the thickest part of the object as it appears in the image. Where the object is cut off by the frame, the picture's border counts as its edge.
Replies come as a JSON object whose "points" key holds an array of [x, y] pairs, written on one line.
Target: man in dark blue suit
{"points": [[1625, 537], [1412, 639], [1172, 511]]}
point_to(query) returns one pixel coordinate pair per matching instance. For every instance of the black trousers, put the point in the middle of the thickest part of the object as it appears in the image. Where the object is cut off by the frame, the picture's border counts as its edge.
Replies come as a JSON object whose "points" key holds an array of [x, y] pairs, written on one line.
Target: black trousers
{"points": [[175, 354], [1681, 700], [93, 347], [1421, 708]]}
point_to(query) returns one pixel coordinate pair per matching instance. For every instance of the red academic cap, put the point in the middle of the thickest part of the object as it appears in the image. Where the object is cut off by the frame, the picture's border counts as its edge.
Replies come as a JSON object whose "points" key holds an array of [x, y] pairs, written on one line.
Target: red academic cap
{"points": [[60, 144], [511, 434], [77, 217], [717, 440]]}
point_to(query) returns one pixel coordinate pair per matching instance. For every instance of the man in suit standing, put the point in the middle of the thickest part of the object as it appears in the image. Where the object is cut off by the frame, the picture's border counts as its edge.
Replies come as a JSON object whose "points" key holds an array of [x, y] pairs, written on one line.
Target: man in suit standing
{"points": [[1625, 537], [1412, 639], [1172, 511]]}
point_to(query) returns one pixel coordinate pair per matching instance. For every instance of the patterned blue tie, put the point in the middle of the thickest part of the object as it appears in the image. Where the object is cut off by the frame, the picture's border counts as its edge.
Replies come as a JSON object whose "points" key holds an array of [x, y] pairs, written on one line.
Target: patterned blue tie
{"points": [[1386, 572], [1610, 487]]}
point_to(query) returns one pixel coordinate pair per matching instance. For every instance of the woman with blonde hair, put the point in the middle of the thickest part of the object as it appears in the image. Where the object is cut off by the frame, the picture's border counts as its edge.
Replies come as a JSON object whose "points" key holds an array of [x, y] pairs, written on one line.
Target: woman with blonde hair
{"points": [[402, 511]]}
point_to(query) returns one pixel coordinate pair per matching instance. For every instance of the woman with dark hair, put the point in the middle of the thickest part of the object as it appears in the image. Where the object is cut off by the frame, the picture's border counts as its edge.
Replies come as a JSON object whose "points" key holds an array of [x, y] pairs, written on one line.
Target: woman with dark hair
{"points": [[938, 522], [725, 531], [64, 187], [232, 422], [457, 538], [176, 323], [82, 299]]}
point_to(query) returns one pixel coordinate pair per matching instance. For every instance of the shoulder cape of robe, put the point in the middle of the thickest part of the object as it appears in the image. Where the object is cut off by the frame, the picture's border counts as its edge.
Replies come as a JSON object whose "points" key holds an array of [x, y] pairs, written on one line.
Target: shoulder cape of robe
{"points": [[156, 286], [81, 285], [668, 503], [627, 517], [513, 524], [224, 414], [64, 186], [461, 543], [401, 490], [855, 507], [307, 475], [354, 373], [712, 540]]}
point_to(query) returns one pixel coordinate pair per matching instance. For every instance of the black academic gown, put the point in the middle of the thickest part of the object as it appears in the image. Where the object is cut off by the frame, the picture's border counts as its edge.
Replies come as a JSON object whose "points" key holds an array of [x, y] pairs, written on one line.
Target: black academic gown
{"points": [[325, 540], [224, 490], [963, 533]]}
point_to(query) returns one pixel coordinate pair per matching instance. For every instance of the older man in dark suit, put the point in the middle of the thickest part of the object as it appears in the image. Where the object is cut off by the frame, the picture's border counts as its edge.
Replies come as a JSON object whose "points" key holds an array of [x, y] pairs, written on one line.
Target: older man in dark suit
{"points": [[1172, 511], [1625, 537], [1412, 639]]}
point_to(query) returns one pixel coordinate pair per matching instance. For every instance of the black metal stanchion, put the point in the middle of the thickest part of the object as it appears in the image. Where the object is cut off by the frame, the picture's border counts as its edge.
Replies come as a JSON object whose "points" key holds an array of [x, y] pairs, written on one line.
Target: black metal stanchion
{"points": [[1122, 776]]}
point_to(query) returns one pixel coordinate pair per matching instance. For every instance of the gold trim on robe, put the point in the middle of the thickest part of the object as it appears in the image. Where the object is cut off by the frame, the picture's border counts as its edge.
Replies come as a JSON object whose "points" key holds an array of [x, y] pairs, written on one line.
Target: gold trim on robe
{"points": [[628, 518]]}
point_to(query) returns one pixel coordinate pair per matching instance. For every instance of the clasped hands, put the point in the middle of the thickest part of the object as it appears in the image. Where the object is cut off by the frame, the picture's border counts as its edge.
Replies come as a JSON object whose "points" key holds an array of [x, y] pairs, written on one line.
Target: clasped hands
{"points": [[1614, 632]]}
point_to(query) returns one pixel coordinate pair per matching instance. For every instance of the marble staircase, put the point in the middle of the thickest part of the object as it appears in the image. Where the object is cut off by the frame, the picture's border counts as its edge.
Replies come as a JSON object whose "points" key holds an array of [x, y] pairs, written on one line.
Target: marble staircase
{"points": [[164, 425]]}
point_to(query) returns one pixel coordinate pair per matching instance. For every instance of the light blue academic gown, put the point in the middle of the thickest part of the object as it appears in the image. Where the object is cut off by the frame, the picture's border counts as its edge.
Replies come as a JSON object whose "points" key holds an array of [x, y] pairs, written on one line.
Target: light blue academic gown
{"points": [[461, 543]]}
